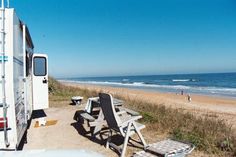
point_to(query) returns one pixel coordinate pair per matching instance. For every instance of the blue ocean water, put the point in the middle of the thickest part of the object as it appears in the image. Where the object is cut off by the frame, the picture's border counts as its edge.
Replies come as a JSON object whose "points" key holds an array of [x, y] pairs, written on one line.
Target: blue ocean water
{"points": [[218, 84]]}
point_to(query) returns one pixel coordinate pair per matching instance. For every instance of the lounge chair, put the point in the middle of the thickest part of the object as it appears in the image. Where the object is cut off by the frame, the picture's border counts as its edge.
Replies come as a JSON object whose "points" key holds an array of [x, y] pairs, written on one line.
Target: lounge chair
{"points": [[124, 126], [94, 117]]}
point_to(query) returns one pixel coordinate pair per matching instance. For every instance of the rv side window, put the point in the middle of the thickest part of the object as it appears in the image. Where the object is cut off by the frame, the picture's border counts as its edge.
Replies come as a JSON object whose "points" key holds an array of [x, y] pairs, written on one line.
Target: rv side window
{"points": [[40, 67]]}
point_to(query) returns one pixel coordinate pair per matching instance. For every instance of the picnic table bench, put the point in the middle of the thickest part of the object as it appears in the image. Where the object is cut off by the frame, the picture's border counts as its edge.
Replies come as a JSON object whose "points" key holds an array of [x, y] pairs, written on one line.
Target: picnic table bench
{"points": [[96, 120]]}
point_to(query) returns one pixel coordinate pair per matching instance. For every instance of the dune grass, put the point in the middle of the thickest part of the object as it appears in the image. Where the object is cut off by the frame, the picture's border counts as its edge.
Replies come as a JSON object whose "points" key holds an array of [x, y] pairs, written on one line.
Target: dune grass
{"points": [[207, 133], [61, 93]]}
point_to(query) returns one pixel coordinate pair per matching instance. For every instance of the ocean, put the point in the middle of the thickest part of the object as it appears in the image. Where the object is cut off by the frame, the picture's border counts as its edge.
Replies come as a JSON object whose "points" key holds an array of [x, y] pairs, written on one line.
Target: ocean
{"points": [[217, 84]]}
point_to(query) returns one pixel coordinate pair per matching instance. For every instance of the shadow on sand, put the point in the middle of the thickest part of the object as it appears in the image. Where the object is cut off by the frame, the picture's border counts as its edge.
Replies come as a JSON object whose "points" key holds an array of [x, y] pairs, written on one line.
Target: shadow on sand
{"points": [[35, 114], [101, 137]]}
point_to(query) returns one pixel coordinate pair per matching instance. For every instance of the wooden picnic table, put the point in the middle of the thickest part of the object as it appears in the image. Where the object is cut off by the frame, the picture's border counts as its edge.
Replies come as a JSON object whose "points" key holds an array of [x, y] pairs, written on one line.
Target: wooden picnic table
{"points": [[97, 120], [94, 102]]}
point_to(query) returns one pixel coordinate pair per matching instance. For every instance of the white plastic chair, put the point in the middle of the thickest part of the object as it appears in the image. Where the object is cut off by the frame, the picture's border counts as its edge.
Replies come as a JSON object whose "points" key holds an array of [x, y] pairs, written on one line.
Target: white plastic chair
{"points": [[124, 126]]}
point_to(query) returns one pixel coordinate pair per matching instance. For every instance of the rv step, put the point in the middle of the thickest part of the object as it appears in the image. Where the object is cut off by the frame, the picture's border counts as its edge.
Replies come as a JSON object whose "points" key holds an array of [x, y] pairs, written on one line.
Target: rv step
{"points": [[1, 129]]}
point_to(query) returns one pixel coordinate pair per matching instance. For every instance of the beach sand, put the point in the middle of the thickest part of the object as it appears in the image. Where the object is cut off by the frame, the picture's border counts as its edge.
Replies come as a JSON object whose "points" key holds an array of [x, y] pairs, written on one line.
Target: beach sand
{"points": [[219, 107], [67, 134]]}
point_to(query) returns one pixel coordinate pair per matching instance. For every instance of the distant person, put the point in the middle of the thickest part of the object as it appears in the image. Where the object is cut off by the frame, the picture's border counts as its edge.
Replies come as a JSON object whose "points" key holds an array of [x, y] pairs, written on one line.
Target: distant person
{"points": [[189, 98], [182, 92]]}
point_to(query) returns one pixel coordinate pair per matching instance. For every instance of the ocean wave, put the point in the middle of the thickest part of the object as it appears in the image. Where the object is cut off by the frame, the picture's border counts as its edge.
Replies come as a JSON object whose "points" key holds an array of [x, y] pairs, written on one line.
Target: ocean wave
{"points": [[176, 88], [180, 80], [183, 80], [133, 84], [218, 89], [125, 80]]}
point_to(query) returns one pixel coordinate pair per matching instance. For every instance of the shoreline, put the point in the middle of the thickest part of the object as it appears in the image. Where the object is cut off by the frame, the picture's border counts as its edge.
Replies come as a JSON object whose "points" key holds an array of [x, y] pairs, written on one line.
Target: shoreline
{"points": [[158, 90], [216, 96], [223, 108]]}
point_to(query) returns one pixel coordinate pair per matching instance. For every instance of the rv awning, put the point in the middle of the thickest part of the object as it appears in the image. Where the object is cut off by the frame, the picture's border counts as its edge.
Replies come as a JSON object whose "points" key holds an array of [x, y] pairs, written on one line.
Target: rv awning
{"points": [[28, 37]]}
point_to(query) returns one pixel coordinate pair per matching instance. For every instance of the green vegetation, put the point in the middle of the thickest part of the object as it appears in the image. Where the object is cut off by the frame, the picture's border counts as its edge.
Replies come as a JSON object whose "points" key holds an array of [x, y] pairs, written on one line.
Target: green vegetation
{"points": [[207, 133], [59, 93]]}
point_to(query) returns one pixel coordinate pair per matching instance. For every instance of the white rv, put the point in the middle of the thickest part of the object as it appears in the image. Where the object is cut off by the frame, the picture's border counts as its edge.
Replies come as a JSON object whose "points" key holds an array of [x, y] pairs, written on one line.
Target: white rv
{"points": [[23, 81]]}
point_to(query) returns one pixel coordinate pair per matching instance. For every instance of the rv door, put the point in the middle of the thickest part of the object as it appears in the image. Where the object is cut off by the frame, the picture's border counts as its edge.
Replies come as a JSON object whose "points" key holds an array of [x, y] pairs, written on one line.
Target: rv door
{"points": [[40, 81]]}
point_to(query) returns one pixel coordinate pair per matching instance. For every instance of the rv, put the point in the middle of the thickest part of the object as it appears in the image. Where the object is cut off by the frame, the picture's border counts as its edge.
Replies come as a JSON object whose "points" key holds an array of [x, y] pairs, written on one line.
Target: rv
{"points": [[24, 79]]}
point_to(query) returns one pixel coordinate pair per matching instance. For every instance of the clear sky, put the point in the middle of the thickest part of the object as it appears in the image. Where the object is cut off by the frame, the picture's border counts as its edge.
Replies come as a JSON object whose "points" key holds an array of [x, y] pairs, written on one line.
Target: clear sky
{"points": [[132, 37]]}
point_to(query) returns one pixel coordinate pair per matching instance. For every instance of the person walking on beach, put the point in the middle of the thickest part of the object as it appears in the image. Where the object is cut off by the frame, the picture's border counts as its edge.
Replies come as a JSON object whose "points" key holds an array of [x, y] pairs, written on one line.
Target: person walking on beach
{"points": [[189, 98]]}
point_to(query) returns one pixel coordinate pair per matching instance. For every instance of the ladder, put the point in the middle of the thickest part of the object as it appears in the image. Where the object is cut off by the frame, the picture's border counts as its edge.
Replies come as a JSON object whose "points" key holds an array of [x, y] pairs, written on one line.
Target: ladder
{"points": [[3, 105]]}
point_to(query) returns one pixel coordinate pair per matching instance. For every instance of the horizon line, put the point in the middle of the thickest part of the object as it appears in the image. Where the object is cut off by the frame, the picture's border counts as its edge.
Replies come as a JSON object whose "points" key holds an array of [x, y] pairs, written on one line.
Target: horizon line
{"points": [[146, 75]]}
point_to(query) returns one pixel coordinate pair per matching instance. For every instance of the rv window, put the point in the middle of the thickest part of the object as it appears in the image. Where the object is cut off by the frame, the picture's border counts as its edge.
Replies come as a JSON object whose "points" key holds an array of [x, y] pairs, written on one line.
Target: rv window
{"points": [[40, 67]]}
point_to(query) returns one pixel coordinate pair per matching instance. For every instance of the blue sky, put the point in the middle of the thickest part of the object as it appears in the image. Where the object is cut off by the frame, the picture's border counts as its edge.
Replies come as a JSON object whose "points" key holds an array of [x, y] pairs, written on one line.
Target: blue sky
{"points": [[132, 37]]}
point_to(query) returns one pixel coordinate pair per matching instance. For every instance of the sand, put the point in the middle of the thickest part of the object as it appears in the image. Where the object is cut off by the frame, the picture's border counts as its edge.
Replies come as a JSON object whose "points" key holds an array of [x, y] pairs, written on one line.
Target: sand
{"points": [[220, 107], [67, 134]]}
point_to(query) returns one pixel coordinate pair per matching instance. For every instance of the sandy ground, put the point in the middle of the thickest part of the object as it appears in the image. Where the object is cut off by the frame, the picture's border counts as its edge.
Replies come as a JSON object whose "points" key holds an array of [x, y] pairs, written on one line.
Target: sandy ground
{"points": [[67, 134], [219, 107]]}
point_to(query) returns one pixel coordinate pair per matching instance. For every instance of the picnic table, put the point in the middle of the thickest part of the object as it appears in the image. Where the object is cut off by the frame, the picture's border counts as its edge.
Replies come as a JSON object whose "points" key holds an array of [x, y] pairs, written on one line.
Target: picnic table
{"points": [[94, 102], [96, 119], [76, 100]]}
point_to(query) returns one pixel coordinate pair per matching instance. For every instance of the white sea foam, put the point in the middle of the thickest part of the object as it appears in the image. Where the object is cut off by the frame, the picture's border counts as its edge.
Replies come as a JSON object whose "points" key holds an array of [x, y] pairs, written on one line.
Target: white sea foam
{"points": [[125, 80], [134, 84], [217, 89], [184, 80], [181, 80], [173, 88], [210, 90]]}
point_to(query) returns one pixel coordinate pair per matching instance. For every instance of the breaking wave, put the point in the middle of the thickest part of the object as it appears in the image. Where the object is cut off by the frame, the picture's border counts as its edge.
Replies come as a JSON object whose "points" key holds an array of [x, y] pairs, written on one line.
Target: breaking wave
{"points": [[173, 88], [183, 80]]}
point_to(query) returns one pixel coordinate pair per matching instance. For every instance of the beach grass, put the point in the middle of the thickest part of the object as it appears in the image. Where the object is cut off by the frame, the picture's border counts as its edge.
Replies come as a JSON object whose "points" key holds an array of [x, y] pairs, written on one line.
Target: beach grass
{"points": [[208, 133], [61, 93]]}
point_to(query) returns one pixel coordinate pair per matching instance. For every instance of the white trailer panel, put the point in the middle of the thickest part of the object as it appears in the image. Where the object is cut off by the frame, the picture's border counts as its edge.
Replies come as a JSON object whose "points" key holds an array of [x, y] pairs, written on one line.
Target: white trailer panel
{"points": [[19, 81]]}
